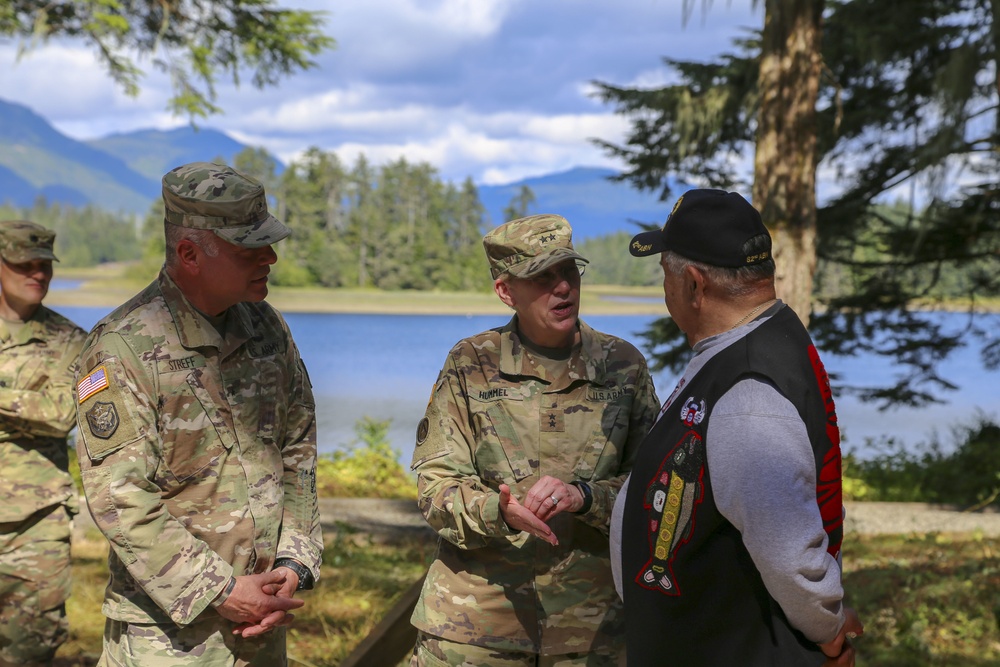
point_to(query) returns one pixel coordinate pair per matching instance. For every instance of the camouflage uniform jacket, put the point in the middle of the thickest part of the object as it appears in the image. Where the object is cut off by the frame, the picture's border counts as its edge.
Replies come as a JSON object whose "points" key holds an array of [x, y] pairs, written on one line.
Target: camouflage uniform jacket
{"points": [[37, 368], [495, 417], [198, 452]]}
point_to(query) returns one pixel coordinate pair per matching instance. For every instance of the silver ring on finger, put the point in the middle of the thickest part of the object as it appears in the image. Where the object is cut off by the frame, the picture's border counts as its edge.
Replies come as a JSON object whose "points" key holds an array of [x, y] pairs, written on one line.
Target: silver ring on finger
{"points": [[555, 501]]}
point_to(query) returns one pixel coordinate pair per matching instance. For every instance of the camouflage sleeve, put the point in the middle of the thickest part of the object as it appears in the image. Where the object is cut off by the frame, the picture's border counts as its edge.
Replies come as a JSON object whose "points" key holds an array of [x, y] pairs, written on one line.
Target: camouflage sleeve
{"points": [[45, 406], [301, 536], [645, 406], [119, 452], [450, 494]]}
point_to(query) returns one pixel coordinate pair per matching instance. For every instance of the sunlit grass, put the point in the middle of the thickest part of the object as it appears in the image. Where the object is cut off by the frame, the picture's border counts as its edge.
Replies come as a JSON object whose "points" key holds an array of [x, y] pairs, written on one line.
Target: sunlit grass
{"points": [[361, 580], [929, 600], [90, 575]]}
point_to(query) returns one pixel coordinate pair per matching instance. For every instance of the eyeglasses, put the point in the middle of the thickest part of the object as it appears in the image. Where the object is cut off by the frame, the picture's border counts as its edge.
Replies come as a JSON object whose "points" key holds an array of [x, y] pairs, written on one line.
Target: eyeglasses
{"points": [[548, 279]]}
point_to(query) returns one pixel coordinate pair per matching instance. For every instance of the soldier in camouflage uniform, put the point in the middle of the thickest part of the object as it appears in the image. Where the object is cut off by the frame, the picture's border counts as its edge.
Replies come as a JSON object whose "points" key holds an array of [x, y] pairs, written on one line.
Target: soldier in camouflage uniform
{"points": [[38, 357], [198, 442], [529, 433]]}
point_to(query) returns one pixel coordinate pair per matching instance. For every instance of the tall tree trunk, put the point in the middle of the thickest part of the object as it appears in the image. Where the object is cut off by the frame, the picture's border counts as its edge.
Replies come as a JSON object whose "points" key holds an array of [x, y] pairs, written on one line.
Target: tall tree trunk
{"points": [[784, 188], [995, 31]]}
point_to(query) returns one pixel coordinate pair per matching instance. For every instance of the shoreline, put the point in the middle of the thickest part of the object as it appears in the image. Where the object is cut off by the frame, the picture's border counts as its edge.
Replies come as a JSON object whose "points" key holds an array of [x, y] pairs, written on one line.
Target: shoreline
{"points": [[596, 300], [106, 287]]}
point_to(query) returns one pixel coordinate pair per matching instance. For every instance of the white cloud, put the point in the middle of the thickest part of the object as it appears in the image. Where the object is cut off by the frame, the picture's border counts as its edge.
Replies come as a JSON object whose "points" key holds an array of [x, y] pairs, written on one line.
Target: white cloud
{"points": [[471, 18], [495, 89], [459, 152], [68, 86], [653, 78], [571, 129], [384, 38], [475, 18]]}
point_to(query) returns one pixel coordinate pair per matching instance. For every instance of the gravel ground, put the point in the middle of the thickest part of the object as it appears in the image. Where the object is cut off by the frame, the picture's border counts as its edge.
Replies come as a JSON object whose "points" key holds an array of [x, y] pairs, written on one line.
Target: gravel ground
{"points": [[392, 517], [379, 518], [888, 518], [385, 519]]}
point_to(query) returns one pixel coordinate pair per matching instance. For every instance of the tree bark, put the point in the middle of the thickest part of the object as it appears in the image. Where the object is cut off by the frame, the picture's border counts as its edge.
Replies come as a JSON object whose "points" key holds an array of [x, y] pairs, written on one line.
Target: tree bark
{"points": [[784, 188]]}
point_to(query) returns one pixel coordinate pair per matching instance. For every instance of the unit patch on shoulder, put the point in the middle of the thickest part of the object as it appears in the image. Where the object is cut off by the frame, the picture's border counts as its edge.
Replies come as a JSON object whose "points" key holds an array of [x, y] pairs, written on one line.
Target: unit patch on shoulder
{"points": [[103, 419], [96, 381], [108, 416]]}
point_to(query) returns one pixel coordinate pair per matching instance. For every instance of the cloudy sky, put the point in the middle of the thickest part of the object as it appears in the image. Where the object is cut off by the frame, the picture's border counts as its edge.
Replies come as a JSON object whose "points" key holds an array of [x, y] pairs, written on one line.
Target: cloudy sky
{"points": [[494, 89]]}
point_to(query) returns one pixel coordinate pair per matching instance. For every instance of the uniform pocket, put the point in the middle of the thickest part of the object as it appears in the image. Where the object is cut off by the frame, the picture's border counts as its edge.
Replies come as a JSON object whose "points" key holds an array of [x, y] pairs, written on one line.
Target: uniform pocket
{"points": [[500, 450], [195, 428]]}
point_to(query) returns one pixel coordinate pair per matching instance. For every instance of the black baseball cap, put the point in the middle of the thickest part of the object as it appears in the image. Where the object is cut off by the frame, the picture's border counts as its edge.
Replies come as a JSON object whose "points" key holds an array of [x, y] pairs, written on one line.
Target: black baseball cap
{"points": [[709, 226]]}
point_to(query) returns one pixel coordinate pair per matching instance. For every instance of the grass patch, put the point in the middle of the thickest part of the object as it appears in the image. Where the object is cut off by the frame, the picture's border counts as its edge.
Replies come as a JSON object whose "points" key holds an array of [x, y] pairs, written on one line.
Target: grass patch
{"points": [[362, 579], [929, 600], [86, 623]]}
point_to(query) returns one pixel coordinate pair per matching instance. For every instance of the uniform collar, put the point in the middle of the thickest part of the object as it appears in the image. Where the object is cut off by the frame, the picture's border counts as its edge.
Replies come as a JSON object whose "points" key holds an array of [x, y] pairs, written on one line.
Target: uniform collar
{"points": [[33, 329], [193, 328], [586, 364]]}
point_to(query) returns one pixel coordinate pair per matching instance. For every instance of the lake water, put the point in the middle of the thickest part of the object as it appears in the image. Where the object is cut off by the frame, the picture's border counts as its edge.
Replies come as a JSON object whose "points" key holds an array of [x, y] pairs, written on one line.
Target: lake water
{"points": [[384, 366]]}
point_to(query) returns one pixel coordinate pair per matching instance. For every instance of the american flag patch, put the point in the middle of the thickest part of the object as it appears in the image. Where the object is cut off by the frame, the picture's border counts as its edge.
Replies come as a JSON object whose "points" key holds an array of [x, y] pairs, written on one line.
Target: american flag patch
{"points": [[93, 383]]}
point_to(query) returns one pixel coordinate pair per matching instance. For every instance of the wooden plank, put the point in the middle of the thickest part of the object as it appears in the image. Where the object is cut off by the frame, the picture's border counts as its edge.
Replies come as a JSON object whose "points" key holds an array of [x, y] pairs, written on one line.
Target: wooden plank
{"points": [[392, 640]]}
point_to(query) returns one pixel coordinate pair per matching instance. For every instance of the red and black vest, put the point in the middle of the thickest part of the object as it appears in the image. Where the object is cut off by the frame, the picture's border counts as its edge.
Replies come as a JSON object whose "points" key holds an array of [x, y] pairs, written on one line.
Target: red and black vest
{"points": [[693, 596]]}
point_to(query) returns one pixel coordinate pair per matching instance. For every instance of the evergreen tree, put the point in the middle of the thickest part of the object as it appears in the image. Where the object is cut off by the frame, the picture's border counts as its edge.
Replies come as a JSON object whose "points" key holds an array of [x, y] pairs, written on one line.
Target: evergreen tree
{"points": [[311, 200], [520, 204], [610, 266], [192, 40], [905, 106], [364, 218], [85, 235]]}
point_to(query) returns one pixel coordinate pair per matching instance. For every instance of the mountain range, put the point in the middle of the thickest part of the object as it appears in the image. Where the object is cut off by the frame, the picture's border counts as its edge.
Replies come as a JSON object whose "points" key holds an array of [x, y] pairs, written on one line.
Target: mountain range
{"points": [[121, 173]]}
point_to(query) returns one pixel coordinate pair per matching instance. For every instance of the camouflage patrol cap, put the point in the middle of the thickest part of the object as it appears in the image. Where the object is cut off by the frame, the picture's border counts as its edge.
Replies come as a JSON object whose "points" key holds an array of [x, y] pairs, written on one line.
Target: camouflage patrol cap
{"points": [[204, 195], [528, 246], [22, 241]]}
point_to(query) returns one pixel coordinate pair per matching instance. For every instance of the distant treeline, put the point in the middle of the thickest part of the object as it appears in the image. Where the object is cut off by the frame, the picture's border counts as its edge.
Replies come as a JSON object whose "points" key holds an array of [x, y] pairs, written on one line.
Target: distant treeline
{"points": [[397, 226], [85, 236]]}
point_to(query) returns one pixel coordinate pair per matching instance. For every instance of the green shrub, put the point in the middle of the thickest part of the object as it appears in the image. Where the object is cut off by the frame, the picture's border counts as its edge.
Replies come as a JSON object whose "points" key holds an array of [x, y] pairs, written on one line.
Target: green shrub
{"points": [[370, 468], [967, 473], [74, 465], [854, 487]]}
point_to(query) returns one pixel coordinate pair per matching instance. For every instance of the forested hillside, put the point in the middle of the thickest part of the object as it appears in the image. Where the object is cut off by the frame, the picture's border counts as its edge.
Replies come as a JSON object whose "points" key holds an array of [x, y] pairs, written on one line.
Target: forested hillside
{"points": [[394, 226]]}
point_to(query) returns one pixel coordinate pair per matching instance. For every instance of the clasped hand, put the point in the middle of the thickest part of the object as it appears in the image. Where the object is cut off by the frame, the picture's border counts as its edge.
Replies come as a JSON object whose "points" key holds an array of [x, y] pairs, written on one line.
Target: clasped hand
{"points": [[546, 498], [839, 651], [261, 602]]}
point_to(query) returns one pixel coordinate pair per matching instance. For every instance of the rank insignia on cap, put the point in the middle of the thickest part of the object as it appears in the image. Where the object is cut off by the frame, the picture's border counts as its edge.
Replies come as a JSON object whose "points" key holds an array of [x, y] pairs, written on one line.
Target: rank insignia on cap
{"points": [[103, 419], [96, 381]]}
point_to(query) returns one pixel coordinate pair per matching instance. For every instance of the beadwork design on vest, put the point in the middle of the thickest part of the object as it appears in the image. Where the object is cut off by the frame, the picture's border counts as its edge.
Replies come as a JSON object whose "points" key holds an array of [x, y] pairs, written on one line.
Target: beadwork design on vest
{"points": [[670, 501]]}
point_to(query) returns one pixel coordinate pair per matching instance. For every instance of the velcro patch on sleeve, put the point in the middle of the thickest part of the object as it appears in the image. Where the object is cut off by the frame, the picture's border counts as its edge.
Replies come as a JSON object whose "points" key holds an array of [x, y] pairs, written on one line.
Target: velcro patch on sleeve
{"points": [[93, 382], [430, 444], [106, 415]]}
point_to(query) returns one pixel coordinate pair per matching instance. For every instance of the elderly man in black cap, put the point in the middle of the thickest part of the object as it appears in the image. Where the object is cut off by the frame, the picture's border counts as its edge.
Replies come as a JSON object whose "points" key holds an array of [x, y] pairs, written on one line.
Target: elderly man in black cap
{"points": [[726, 539]]}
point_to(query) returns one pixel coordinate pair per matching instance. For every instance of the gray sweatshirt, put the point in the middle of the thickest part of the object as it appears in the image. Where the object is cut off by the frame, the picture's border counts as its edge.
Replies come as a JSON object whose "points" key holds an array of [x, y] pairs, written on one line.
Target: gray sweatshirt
{"points": [[770, 499]]}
